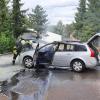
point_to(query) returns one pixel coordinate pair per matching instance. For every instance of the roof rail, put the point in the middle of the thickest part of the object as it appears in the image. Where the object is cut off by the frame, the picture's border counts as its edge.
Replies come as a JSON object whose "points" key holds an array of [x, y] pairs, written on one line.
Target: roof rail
{"points": [[72, 41]]}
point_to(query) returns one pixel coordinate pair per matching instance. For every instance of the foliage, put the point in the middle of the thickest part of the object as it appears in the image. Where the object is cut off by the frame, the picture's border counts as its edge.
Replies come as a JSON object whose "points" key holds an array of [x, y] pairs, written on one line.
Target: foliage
{"points": [[69, 29], [80, 16], [59, 28], [3, 16], [38, 20], [6, 42], [93, 14], [64, 30], [86, 23], [87, 20], [18, 17]]}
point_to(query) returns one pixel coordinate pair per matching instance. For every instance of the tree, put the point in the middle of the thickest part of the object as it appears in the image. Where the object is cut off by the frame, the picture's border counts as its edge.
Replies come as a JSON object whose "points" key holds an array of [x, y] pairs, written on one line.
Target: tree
{"points": [[69, 29], [18, 17], [80, 17], [5, 18], [93, 14], [91, 23], [59, 28], [3, 15], [64, 30], [6, 39], [87, 19], [38, 20]]}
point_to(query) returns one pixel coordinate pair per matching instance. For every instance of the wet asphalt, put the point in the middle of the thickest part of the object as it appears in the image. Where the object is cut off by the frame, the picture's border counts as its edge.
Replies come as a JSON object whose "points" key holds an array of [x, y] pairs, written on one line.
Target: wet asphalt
{"points": [[17, 83]]}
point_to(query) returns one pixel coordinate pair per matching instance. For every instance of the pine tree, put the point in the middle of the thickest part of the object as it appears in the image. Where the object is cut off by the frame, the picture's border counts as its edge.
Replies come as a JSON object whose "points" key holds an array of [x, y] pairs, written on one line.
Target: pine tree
{"points": [[92, 5], [93, 15], [80, 15], [38, 20], [6, 39], [91, 23], [87, 19], [3, 15], [18, 17]]}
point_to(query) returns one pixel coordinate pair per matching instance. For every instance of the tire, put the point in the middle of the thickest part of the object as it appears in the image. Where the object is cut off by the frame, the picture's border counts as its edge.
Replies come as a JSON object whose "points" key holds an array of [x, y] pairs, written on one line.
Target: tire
{"points": [[28, 62], [78, 66]]}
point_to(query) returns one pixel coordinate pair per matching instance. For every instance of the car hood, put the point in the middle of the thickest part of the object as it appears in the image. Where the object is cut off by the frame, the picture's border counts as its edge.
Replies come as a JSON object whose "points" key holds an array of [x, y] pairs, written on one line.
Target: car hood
{"points": [[28, 53]]}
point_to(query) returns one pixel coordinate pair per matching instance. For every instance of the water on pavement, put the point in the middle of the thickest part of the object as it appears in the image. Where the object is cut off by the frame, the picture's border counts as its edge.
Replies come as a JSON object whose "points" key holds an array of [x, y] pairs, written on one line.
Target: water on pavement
{"points": [[17, 83]]}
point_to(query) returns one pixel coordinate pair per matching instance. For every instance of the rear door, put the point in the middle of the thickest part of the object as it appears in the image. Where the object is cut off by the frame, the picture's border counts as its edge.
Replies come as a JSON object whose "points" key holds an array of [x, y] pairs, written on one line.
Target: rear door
{"points": [[59, 56], [62, 55], [94, 43]]}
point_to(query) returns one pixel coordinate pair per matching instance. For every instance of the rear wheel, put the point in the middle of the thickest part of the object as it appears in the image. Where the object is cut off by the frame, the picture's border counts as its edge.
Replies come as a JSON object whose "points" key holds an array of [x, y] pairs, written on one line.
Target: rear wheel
{"points": [[78, 65], [28, 62]]}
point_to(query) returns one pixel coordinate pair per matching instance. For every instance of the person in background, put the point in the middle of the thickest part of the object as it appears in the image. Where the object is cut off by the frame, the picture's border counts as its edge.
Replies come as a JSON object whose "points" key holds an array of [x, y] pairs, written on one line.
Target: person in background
{"points": [[20, 44]]}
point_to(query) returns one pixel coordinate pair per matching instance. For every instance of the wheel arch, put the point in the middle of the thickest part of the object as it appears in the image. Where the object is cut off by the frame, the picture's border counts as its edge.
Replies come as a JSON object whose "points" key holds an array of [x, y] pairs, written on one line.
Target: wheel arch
{"points": [[78, 60], [82, 62], [24, 63], [25, 57]]}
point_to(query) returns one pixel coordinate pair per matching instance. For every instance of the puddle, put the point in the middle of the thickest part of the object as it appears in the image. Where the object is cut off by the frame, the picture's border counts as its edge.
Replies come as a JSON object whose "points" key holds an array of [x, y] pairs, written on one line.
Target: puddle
{"points": [[27, 85], [7, 72], [32, 85]]}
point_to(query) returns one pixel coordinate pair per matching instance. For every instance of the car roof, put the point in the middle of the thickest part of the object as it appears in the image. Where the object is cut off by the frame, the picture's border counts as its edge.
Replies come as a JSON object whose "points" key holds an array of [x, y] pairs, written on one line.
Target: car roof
{"points": [[70, 42], [64, 42]]}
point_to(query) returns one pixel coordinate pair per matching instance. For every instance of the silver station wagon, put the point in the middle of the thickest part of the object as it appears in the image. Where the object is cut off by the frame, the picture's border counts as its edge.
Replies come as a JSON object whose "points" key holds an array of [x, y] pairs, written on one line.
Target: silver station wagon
{"points": [[75, 55]]}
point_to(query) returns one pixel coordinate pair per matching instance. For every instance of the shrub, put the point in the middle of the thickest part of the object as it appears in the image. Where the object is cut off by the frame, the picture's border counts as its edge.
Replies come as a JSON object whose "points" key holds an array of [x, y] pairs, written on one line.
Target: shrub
{"points": [[6, 43]]}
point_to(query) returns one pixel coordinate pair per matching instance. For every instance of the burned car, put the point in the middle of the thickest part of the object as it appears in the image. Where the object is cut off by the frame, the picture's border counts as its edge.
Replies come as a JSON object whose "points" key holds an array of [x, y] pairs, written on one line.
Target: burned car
{"points": [[75, 55]]}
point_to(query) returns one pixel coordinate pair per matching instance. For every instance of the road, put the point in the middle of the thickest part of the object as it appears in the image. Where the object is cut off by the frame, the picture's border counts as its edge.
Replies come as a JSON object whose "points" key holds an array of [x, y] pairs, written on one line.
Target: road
{"points": [[17, 83]]}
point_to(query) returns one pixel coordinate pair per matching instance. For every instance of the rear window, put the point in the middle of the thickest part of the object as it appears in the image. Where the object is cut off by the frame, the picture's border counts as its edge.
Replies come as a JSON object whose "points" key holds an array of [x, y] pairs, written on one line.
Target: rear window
{"points": [[80, 48], [96, 43]]}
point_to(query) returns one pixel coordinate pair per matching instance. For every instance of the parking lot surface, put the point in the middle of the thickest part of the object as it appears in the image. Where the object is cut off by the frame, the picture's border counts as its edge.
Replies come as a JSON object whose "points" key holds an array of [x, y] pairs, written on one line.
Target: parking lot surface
{"points": [[17, 83]]}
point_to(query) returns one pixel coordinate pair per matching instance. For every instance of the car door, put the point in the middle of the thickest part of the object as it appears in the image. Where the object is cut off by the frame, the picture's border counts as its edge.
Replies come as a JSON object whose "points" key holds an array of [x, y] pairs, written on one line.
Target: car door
{"points": [[62, 56], [94, 43]]}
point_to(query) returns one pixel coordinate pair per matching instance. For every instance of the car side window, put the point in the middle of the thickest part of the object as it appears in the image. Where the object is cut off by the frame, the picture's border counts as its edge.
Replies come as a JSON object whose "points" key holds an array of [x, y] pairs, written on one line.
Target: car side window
{"points": [[61, 47], [80, 48], [52, 46], [69, 47]]}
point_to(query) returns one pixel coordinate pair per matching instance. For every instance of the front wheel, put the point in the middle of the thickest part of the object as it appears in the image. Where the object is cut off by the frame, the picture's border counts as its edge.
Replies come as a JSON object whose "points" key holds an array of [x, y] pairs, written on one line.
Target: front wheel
{"points": [[78, 65], [28, 62]]}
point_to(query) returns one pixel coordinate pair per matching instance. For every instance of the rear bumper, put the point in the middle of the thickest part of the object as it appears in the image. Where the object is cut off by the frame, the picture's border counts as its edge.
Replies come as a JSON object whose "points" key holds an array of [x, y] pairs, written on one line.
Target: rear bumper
{"points": [[92, 62]]}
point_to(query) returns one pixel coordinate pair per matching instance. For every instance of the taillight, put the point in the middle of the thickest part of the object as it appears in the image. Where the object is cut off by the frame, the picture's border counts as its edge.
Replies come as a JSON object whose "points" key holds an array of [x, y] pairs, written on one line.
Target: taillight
{"points": [[92, 53]]}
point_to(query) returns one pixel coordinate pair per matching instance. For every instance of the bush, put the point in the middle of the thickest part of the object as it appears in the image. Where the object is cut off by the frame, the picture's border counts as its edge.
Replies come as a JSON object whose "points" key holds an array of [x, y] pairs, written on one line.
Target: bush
{"points": [[6, 43]]}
